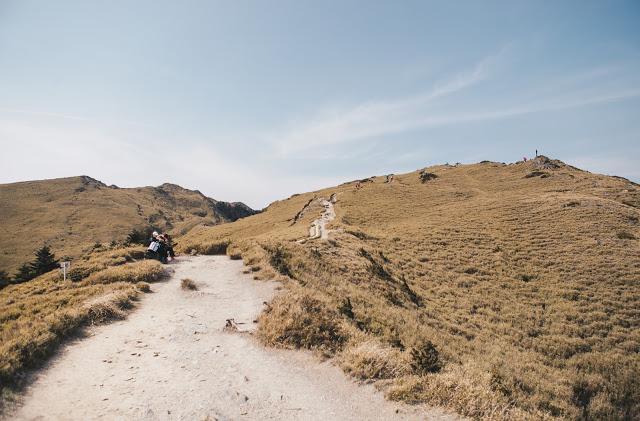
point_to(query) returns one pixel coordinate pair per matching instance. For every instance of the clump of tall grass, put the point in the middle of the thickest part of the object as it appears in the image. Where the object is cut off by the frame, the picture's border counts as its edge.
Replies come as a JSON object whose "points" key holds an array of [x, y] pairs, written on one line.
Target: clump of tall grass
{"points": [[425, 358], [625, 235], [371, 360], [143, 286], [111, 306], [301, 321], [188, 284], [144, 271], [210, 248]]}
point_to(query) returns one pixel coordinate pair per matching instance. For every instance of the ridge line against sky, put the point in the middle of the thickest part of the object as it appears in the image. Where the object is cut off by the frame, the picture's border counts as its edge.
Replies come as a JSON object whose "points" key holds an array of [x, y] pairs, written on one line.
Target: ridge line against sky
{"points": [[254, 102]]}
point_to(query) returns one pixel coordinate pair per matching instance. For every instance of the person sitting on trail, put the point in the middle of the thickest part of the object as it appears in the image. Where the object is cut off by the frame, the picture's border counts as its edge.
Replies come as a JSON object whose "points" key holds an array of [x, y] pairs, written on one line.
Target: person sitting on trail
{"points": [[156, 249], [165, 239]]}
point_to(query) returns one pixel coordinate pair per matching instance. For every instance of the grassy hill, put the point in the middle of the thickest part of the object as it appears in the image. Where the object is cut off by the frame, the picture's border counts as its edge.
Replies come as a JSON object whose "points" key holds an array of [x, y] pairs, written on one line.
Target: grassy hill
{"points": [[72, 214], [501, 291]]}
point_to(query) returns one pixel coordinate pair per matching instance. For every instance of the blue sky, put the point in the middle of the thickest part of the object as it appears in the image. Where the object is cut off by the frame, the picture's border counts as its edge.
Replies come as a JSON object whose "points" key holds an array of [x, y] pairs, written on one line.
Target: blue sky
{"points": [[254, 101]]}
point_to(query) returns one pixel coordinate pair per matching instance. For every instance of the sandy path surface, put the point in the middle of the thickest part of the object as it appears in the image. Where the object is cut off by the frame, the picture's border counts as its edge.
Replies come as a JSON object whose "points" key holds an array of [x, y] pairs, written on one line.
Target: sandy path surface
{"points": [[318, 227], [171, 359]]}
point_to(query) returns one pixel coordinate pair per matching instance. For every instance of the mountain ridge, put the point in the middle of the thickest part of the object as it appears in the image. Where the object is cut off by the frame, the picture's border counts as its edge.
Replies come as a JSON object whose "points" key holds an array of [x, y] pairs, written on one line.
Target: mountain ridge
{"points": [[71, 214]]}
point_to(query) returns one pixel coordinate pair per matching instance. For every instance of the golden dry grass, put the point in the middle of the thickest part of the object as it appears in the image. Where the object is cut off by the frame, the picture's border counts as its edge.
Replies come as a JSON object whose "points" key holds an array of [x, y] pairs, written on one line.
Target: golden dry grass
{"points": [[516, 274], [36, 316], [74, 214]]}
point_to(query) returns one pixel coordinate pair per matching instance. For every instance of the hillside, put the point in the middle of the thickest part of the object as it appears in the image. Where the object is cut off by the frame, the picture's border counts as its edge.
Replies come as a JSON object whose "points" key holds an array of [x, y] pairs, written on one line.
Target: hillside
{"points": [[501, 291], [73, 214]]}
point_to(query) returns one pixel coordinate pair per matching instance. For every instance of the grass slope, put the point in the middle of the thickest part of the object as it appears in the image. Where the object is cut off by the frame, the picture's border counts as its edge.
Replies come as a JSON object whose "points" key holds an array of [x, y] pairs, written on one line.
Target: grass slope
{"points": [[501, 291], [73, 214]]}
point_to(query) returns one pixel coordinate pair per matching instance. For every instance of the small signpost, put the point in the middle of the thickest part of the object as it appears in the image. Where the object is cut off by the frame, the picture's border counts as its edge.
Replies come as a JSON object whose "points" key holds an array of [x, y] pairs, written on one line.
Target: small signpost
{"points": [[65, 267]]}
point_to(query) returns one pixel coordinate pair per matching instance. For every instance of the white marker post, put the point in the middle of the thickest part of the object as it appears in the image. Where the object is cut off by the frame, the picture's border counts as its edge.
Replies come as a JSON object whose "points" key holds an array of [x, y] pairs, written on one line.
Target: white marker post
{"points": [[65, 266]]}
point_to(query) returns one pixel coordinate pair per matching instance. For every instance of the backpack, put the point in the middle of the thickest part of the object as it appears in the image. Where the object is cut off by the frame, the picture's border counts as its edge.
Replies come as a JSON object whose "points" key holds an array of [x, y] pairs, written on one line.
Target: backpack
{"points": [[154, 246]]}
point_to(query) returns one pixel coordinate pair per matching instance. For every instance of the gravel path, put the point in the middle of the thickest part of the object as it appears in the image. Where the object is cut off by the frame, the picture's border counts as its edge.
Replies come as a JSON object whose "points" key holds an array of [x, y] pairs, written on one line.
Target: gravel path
{"points": [[171, 359], [318, 227]]}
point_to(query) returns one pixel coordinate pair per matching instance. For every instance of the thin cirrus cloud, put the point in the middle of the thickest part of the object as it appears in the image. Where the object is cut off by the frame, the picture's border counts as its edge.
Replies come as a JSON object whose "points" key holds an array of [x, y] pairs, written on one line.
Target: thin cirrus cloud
{"points": [[555, 104], [379, 118], [373, 118]]}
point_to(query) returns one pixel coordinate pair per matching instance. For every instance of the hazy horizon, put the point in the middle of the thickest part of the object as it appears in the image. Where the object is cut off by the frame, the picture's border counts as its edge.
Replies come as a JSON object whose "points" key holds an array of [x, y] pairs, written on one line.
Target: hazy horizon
{"points": [[253, 102]]}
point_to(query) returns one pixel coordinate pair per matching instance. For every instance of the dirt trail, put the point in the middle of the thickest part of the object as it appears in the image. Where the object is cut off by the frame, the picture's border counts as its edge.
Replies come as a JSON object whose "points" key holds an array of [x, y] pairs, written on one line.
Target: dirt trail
{"points": [[319, 226], [172, 359]]}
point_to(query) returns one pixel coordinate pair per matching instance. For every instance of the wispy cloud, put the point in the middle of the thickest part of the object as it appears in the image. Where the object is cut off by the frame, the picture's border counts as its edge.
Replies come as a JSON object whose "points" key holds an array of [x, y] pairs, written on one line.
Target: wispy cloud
{"points": [[554, 104], [374, 118]]}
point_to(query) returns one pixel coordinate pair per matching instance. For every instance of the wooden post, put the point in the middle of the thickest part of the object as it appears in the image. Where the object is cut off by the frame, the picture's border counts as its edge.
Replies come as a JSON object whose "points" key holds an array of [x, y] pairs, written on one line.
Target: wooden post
{"points": [[65, 266]]}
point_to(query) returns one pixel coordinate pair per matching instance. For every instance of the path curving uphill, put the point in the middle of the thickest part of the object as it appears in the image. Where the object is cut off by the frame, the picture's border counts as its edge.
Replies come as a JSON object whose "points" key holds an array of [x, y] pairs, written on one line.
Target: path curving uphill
{"points": [[318, 227], [173, 359]]}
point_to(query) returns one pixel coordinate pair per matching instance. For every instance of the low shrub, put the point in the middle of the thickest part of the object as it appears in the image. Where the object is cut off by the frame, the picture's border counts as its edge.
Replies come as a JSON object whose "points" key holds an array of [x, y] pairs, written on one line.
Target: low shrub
{"points": [[426, 176], [540, 174], [215, 248], [108, 307], [77, 274], [425, 358], [346, 309], [145, 271], [525, 277], [371, 361], [301, 321], [188, 284], [465, 389], [625, 235], [143, 287]]}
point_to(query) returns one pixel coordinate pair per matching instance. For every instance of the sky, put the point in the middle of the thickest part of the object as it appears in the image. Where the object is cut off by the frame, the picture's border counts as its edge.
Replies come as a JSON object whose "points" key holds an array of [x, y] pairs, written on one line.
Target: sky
{"points": [[253, 101]]}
